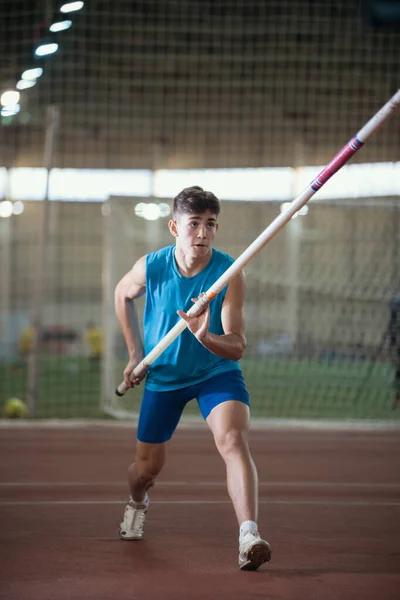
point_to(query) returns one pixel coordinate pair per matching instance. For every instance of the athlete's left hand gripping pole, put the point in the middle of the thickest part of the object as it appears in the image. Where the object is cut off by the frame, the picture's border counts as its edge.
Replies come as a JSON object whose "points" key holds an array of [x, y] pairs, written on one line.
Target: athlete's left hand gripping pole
{"points": [[141, 368], [374, 124]]}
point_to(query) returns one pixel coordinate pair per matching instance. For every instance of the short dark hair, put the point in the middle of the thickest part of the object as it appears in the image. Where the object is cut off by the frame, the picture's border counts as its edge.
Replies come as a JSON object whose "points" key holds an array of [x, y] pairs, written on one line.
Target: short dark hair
{"points": [[195, 200]]}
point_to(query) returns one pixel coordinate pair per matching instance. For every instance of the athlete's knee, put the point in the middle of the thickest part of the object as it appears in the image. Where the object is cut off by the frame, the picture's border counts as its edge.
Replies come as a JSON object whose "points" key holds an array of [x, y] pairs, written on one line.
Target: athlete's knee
{"points": [[144, 473], [150, 459], [231, 441]]}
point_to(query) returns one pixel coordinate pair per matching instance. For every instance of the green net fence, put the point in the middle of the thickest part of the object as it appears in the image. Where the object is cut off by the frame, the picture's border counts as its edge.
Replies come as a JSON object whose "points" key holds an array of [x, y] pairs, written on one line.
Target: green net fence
{"points": [[153, 96]]}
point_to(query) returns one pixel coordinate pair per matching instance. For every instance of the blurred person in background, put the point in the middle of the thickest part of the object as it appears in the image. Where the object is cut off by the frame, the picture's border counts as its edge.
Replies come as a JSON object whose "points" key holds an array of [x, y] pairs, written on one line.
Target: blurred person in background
{"points": [[25, 343], [94, 343]]}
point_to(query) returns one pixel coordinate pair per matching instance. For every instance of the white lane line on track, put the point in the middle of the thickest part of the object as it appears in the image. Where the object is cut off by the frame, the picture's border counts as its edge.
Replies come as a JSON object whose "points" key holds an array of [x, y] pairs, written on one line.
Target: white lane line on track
{"points": [[197, 423], [344, 503], [264, 484]]}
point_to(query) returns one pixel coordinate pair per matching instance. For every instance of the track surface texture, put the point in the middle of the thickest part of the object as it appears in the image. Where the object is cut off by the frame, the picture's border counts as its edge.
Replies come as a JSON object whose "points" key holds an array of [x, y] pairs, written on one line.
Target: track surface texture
{"points": [[329, 506]]}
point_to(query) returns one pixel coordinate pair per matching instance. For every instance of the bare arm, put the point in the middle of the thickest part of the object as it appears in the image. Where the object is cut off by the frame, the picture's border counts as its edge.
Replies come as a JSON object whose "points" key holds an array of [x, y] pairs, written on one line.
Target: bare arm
{"points": [[131, 286], [232, 343]]}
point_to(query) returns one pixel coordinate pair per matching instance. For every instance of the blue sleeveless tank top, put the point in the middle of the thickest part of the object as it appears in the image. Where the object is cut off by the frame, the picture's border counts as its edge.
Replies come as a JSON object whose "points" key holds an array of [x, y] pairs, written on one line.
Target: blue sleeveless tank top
{"points": [[185, 362]]}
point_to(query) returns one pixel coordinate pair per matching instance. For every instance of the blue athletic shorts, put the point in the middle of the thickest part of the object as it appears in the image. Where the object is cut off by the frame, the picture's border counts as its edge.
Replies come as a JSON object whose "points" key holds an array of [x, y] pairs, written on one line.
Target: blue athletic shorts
{"points": [[160, 411]]}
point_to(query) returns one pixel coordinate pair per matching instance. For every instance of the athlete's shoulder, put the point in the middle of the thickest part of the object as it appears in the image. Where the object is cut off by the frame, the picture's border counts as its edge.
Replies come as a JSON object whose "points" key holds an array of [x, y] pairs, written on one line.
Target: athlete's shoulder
{"points": [[159, 263], [159, 255], [223, 257]]}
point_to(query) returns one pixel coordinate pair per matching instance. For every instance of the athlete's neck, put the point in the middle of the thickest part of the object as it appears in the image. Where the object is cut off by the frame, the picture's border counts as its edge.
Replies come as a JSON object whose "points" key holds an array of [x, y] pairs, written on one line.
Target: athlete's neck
{"points": [[189, 266]]}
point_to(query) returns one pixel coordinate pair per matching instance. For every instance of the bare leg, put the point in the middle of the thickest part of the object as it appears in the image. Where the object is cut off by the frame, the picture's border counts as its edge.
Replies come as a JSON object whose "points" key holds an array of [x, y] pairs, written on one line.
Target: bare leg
{"points": [[150, 459], [229, 423]]}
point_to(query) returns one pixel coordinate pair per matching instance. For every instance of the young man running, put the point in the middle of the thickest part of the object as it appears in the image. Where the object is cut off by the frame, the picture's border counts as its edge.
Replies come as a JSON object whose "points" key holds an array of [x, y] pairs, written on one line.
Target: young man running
{"points": [[201, 363]]}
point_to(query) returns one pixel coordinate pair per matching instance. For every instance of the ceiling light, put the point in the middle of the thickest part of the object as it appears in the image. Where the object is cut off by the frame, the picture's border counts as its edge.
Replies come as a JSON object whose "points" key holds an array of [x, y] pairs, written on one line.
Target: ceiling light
{"points": [[71, 7], [164, 208], [151, 212], [31, 74], [10, 111], [18, 207], [60, 26], [46, 49], [6, 209], [10, 98], [24, 84]]}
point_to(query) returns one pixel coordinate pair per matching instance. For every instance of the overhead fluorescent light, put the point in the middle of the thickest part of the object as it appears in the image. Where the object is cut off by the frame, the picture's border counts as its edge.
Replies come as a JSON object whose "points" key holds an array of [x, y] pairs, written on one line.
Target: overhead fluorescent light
{"points": [[9, 98], [31, 74], [24, 84], [60, 26], [71, 7], [46, 49]]}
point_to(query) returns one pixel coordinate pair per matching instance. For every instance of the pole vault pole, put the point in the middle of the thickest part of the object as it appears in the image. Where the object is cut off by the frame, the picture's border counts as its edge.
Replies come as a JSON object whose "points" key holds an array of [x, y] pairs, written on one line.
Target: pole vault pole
{"points": [[374, 124]]}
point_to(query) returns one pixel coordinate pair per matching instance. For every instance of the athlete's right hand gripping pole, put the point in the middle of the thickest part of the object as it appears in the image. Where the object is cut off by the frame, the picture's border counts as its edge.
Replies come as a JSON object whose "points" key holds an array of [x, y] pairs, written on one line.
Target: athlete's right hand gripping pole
{"points": [[374, 124]]}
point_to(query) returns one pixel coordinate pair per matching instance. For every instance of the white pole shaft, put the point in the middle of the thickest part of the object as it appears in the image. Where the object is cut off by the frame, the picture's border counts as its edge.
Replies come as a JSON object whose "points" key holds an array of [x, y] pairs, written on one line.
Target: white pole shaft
{"points": [[370, 128]]}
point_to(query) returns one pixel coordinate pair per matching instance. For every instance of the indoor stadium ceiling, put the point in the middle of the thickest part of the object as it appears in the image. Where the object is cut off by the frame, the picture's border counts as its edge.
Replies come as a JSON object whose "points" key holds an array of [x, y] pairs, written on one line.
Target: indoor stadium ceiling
{"points": [[200, 83]]}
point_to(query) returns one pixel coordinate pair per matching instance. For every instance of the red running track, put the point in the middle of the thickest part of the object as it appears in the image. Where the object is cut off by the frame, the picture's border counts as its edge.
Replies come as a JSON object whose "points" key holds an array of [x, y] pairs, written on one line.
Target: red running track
{"points": [[329, 505]]}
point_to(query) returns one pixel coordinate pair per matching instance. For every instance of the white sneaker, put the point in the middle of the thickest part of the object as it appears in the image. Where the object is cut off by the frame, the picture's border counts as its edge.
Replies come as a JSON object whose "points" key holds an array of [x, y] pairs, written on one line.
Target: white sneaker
{"points": [[253, 551], [132, 526]]}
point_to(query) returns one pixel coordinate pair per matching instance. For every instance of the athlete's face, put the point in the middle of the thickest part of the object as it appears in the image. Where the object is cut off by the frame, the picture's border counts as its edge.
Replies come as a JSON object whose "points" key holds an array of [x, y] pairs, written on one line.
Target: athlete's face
{"points": [[195, 233]]}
